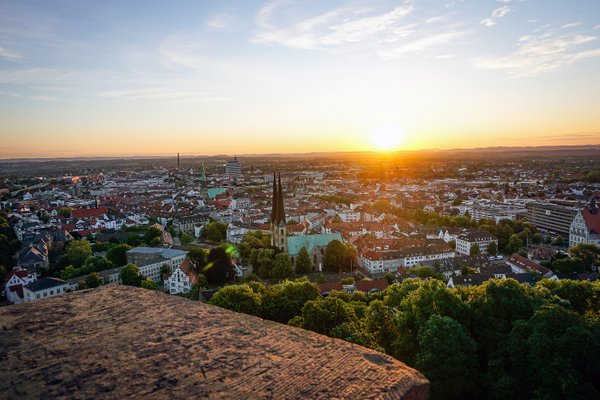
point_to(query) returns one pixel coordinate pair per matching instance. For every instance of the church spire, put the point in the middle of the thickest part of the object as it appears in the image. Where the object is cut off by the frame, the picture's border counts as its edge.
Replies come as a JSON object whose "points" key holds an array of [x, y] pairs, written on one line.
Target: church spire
{"points": [[275, 202], [280, 209]]}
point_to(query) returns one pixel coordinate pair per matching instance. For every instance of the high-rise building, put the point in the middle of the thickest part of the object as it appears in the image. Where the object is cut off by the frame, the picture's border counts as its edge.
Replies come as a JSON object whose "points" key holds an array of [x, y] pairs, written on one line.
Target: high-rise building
{"points": [[278, 227], [233, 168], [553, 218]]}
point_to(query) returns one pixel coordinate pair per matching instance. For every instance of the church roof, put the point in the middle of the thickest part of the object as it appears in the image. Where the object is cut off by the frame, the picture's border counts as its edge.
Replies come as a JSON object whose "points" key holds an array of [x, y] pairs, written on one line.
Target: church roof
{"points": [[117, 342], [296, 243]]}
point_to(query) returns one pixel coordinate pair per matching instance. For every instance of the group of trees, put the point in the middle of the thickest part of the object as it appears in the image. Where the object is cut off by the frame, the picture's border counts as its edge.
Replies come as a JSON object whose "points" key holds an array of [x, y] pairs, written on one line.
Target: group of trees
{"points": [[214, 232], [79, 260], [9, 245], [498, 340], [581, 258]]}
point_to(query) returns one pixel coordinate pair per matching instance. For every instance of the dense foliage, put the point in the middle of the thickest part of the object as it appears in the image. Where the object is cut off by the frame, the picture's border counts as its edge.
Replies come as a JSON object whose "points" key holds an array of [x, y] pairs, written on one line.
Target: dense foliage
{"points": [[498, 340]]}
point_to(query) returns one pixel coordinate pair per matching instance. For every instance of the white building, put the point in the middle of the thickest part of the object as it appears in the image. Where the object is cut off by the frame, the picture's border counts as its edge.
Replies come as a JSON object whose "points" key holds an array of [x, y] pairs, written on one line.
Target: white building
{"points": [[377, 262], [16, 281], [585, 227], [150, 259], [181, 279], [233, 168], [45, 287], [478, 237]]}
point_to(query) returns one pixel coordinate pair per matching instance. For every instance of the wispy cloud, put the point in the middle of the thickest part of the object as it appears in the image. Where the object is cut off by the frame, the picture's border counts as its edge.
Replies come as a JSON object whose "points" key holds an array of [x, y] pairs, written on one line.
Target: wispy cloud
{"points": [[223, 21], [38, 97], [572, 24], [388, 33], [9, 55], [496, 14], [159, 93], [541, 53]]}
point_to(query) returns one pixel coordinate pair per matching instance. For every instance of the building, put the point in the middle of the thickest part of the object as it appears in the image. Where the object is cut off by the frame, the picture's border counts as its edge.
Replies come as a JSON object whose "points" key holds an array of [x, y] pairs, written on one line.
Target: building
{"points": [[150, 259], [521, 265], [552, 218], [181, 279], [233, 168], [376, 262], [585, 227], [279, 239], [316, 245], [16, 280], [466, 240], [45, 287], [496, 212], [116, 342]]}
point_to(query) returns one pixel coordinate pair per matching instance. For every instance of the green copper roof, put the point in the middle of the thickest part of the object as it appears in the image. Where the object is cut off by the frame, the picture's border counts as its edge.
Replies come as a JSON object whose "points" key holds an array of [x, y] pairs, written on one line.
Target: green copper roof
{"points": [[213, 192], [296, 243]]}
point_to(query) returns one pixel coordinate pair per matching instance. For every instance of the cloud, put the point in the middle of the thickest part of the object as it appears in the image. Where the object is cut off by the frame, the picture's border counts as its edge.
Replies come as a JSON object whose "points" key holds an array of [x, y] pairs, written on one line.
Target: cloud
{"points": [[500, 12], [496, 14], [223, 21], [158, 93], [9, 55], [38, 97], [488, 22], [390, 33], [572, 24], [541, 53]]}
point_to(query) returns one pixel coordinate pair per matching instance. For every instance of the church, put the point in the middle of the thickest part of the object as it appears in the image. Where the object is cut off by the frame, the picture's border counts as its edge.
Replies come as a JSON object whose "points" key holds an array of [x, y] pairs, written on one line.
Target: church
{"points": [[315, 244]]}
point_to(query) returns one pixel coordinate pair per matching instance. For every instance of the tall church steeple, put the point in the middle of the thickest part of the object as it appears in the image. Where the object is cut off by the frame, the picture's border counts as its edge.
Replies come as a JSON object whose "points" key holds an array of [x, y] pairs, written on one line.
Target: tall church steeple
{"points": [[278, 226]]}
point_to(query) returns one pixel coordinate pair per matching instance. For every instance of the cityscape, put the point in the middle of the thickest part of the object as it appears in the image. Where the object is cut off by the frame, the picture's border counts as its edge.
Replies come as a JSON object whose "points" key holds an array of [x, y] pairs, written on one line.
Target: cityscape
{"points": [[300, 200]]}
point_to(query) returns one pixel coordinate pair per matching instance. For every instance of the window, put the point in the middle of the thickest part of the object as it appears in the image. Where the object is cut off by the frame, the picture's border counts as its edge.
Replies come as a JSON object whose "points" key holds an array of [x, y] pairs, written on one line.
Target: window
{"points": [[51, 292], [37, 296]]}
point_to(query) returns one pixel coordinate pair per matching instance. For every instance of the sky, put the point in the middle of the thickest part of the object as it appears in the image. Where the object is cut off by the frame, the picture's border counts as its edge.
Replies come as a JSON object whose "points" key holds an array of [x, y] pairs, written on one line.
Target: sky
{"points": [[119, 78]]}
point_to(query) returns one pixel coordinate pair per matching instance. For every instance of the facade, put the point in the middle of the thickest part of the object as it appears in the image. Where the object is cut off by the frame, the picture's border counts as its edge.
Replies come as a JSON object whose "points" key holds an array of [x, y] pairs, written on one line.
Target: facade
{"points": [[182, 279], [495, 212], [150, 259], [233, 168], [377, 262], [479, 237], [553, 218], [45, 287], [315, 245], [520, 265], [585, 227], [187, 224], [279, 239]]}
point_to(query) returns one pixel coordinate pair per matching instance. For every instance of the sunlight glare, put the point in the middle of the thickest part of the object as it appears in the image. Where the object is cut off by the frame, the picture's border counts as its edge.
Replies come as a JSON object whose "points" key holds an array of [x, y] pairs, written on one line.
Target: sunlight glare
{"points": [[387, 137]]}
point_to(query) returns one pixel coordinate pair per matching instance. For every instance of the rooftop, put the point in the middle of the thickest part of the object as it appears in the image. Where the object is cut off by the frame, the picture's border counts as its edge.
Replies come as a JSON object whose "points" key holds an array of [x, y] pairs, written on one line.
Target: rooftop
{"points": [[118, 341]]}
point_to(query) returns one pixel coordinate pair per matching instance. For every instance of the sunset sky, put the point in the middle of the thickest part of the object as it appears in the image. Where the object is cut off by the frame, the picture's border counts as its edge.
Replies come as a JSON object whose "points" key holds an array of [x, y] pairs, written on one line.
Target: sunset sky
{"points": [[87, 78]]}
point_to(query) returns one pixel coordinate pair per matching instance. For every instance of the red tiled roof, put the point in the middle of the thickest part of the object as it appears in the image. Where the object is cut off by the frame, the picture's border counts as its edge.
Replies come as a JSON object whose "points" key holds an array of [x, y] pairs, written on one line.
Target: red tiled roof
{"points": [[592, 221], [526, 263], [89, 212]]}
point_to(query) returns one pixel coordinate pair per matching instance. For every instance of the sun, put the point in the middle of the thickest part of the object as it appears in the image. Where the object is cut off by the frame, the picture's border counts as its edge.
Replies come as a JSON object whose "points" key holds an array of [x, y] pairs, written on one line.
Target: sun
{"points": [[387, 137]]}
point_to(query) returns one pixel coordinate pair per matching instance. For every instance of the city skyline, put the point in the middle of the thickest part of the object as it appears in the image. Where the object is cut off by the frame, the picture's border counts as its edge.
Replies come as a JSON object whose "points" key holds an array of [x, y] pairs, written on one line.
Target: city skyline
{"points": [[126, 79]]}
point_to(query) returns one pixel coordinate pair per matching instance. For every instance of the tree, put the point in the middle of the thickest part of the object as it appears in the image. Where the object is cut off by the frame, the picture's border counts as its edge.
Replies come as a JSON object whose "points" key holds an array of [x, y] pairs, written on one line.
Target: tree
{"points": [[219, 268], [264, 262], [152, 233], [282, 267], [134, 240], [45, 217], [515, 243], [65, 212], [474, 249], [197, 257], [347, 281], [117, 254], [216, 231], [452, 244], [185, 238], [587, 252], [303, 265], [559, 241], [336, 257], [130, 275], [323, 315], [149, 284], [443, 338], [492, 249], [285, 301], [93, 280], [78, 251], [165, 269], [240, 298]]}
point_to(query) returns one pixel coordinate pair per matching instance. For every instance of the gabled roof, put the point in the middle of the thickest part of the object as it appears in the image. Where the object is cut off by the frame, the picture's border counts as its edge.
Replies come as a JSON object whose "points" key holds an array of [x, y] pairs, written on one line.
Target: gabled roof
{"points": [[88, 212], [522, 262], [592, 220]]}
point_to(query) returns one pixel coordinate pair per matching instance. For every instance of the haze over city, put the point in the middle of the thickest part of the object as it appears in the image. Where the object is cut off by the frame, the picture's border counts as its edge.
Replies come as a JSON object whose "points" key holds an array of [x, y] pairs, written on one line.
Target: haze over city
{"points": [[112, 78]]}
